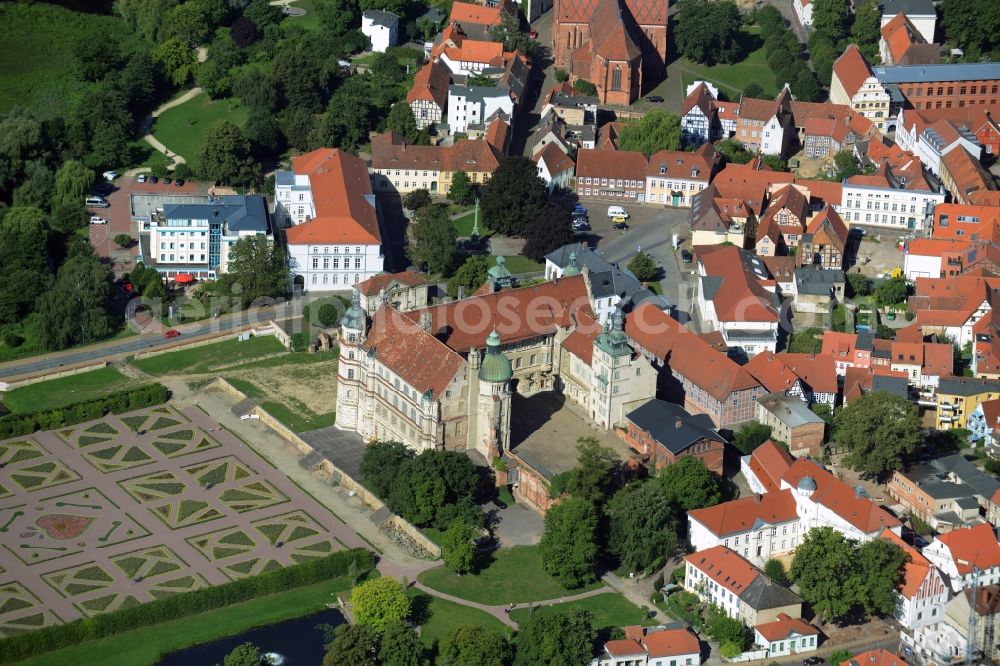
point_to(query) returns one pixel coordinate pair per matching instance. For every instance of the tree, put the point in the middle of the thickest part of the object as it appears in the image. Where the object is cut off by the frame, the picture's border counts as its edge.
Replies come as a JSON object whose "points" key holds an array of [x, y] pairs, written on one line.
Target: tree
{"points": [[226, 156], [831, 17], [826, 572], [381, 463], [655, 131], [727, 630], [805, 86], [262, 14], [561, 75], [823, 54], [123, 240], [564, 638], [380, 602], [644, 267], [550, 230], [593, 475], [433, 240], [859, 283], [754, 90], [402, 122], [72, 184], [879, 431], [643, 532], [866, 29], [400, 646], [585, 87], [569, 542], [347, 118], [475, 646], [417, 199], [353, 645], [770, 20], [246, 654], [513, 38], [690, 485], [257, 270], [846, 164], [243, 32], [891, 292], [881, 563], [77, 308], [750, 436], [327, 315], [709, 33], [35, 189], [428, 488], [513, 197], [177, 58], [457, 548], [460, 191], [971, 25], [775, 570], [470, 276], [186, 22], [734, 151], [838, 657], [69, 217]]}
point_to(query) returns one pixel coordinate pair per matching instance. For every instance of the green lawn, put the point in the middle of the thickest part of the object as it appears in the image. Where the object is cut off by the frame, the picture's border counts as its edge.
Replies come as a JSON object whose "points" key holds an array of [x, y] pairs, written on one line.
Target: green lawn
{"points": [[732, 79], [144, 647], [295, 420], [182, 128], [65, 390], [515, 576], [203, 359], [309, 21], [518, 264], [609, 610], [441, 617], [463, 225]]}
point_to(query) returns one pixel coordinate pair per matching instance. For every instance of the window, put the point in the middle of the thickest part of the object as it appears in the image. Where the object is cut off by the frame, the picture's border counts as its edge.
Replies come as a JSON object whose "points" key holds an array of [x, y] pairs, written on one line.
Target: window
{"points": [[616, 78]]}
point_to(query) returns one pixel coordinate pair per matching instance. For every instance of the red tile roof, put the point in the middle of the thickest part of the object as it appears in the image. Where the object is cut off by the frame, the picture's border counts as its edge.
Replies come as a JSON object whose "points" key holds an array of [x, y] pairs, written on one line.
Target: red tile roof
{"points": [[916, 569], [758, 109], [556, 161], [431, 84], [671, 643], [972, 546], [415, 355], [967, 174], [879, 657], [741, 298], [373, 285], [743, 514], [980, 222], [342, 195], [784, 627], [949, 301], [840, 498], [938, 359], [817, 371], [701, 97], [625, 647], [725, 567], [769, 462], [580, 342], [685, 165], [464, 12], [771, 372], [624, 164], [389, 151], [851, 69]]}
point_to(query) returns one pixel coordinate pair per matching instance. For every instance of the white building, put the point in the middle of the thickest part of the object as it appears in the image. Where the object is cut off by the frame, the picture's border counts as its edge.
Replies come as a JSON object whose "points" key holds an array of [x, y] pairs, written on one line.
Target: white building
{"points": [[932, 141], [381, 28], [555, 167], [803, 11], [957, 553], [785, 636], [472, 105], [920, 12], [757, 527], [195, 238], [651, 646], [335, 239], [899, 199]]}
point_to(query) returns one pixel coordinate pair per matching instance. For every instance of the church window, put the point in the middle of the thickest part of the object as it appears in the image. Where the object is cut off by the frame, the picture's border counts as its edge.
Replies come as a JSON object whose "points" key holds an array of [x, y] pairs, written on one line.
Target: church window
{"points": [[569, 43], [616, 78]]}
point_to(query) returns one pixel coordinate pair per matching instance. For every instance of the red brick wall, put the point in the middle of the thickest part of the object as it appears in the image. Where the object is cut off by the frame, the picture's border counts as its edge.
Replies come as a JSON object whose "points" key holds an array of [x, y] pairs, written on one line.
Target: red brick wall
{"points": [[807, 439], [951, 94], [658, 457]]}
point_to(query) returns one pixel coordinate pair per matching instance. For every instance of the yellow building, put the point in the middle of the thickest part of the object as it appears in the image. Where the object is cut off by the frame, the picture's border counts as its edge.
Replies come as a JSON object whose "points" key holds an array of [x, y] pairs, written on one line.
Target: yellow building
{"points": [[958, 397]]}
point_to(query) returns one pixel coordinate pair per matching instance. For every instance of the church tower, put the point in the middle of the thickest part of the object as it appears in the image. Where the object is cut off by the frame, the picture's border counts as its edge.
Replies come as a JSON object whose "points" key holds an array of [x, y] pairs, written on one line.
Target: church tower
{"points": [[492, 418], [610, 365], [350, 382]]}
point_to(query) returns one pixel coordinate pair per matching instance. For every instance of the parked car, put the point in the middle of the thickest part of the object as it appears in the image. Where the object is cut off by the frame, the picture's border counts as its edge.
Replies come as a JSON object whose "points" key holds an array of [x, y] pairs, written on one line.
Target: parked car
{"points": [[172, 333], [96, 202], [686, 256], [179, 182], [154, 179], [141, 178], [654, 98], [581, 226], [166, 181], [623, 226], [617, 211], [97, 219], [813, 661], [579, 210], [110, 175]]}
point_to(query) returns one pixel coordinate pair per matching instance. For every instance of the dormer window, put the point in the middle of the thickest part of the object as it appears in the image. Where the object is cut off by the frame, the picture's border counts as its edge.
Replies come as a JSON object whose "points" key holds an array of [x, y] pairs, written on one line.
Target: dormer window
{"points": [[663, 168]]}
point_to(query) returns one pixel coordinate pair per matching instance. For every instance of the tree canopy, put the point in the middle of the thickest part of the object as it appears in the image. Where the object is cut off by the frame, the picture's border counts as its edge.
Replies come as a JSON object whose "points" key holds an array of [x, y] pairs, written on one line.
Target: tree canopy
{"points": [[226, 156], [831, 17], [402, 122], [72, 184], [379, 603], [513, 197], [257, 270], [891, 292], [381, 463], [354, 644], [564, 638], [457, 547], [879, 431], [644, 267], [655, 131], [246, 654], [643, 529], [549, 231], [470, 276], [436, 487], [433, 239], [750, 436], [971, 25], [594, 475], [569, 543], [689, 484], [708, 32], [461, 191], [77, 308], [475, 646]]}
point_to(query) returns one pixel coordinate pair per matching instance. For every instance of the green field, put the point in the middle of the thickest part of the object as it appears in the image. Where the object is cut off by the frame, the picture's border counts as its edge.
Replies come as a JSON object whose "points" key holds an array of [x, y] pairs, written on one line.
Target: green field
{"points": [[60, 392], [309, 21], [463, 225], [609, 610], [296, 420], [36, 54], [441, 617], [515, 576], [206, 357], [182, 128], [732, 79], [518, 264]]}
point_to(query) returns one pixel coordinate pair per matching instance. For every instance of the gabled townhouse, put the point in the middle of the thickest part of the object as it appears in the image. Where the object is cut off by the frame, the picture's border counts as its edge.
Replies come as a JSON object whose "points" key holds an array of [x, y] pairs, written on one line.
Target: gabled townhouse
{"points": [[381, 28], [964, 553], [893, 198], [805, 112], [703, 379], [404, 291], [930, 140], [964, 177], [733, 298], [921, 13], [758, 527], [720, 576], [764, 126], [651, 646], [615, 175], [983, 423], [674, 177], [769, 369], [986, 127], [699, 123], [855, 85], [923, 592], [952, 306], [825, 137], [467, 57], [965, 222], [765, 466], [819, 374], [335, 240], [900, 43], [824, 243], [786, 636], [791, 421], [726, 213], [958, 397], [555, 167], [848, 350], [552, 129], [470, 106], [400, 167], [662, 433], [859, 382], [478, 21], [982, 603], [782, 271], [428, 96], [783, 223]]}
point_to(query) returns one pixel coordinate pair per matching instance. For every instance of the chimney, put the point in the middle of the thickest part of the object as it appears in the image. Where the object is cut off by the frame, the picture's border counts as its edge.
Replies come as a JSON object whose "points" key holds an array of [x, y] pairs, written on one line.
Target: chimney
{"points": [[678, 423], [425, 321], [757, 498]]}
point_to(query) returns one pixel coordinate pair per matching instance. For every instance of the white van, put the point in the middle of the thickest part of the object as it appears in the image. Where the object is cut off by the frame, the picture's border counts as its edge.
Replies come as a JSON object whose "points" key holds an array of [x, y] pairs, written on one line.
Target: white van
{"points": [[96, 202], [617, 211]]}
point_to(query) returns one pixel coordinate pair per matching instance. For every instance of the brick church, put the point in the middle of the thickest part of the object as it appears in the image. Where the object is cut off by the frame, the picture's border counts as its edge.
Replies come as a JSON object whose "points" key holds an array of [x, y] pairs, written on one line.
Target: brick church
{"points": [[614, 44]]}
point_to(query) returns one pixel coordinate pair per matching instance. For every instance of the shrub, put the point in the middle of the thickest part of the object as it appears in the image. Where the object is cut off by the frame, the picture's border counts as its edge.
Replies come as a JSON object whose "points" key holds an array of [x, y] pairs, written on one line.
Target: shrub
{"points": [[78, 412], [561, 75], [28, 644]]}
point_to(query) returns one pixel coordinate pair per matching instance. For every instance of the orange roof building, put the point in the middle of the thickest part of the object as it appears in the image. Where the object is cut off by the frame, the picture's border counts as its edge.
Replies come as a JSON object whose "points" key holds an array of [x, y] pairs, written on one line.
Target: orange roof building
{"points": [[856, 86], [764, 467], [957, 552], [746, 526], [428, 96], [733, 295], [879, 657], [780, 635], [643, 644], [901, 43], [923, 592]]}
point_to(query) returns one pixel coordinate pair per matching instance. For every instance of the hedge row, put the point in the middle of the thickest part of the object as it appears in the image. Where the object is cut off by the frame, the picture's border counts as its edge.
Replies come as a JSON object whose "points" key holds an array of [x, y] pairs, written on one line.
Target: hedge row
{"points": [[14, 425], [58, 636]]}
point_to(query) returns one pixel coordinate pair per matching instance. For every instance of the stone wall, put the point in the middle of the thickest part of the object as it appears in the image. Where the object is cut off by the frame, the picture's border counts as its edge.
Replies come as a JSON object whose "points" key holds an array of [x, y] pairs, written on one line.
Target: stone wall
{"points": [[211, 340], [46, 375]]}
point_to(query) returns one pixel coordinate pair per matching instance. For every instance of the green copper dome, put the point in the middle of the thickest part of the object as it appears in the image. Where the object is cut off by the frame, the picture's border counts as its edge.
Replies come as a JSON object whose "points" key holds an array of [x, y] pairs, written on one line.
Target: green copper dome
{"points": [[496, 367], [572, 269], [355, 316]]}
